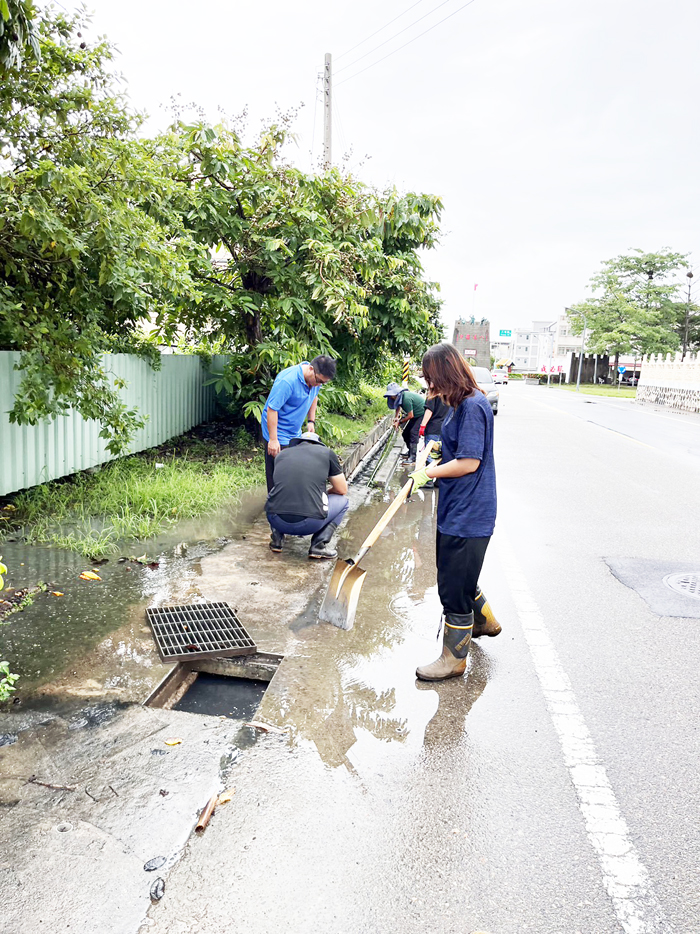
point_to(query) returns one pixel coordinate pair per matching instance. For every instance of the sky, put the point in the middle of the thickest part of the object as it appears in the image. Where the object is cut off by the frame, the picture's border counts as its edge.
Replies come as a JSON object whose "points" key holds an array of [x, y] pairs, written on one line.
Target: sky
{"points": [[557, 134]]}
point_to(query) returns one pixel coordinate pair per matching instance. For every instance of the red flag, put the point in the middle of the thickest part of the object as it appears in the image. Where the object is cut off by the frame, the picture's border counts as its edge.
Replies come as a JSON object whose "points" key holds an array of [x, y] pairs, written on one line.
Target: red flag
{"points": [[475, 285]]}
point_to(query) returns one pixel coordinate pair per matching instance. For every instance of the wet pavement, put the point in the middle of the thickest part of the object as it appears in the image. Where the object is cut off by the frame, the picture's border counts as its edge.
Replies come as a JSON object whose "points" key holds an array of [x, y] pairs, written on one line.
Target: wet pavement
{"points": [[554, 790]]}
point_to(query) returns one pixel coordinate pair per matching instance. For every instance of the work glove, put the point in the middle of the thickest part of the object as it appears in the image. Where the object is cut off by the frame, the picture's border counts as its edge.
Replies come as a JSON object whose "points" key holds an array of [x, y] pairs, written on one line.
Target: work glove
{"points": [[420, 478], [436, 452]]}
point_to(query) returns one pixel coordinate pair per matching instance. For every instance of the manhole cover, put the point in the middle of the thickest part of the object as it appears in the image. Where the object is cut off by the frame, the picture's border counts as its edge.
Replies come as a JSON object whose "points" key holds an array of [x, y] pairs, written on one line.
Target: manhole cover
{"points": [[200, 630], [688, 584]]}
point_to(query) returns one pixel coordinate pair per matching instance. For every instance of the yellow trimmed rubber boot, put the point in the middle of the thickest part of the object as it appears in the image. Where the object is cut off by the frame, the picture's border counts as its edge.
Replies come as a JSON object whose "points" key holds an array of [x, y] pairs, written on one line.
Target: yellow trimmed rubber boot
{"points": [[455, 648], [485, 623]]}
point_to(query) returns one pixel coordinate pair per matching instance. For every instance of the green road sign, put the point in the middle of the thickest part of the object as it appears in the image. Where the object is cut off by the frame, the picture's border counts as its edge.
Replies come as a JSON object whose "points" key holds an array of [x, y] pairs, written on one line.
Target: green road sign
{"points": [[504, 333]]}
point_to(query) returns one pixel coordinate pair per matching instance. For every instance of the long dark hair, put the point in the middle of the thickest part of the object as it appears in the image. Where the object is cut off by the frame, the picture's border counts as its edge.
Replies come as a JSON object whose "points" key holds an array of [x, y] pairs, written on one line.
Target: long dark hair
{"points": [[448, 374]]}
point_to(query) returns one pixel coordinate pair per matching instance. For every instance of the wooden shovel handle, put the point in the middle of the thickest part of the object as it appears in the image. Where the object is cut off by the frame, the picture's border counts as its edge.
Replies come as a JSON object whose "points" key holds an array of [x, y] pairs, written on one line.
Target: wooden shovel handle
{"points": [[401, 498]]}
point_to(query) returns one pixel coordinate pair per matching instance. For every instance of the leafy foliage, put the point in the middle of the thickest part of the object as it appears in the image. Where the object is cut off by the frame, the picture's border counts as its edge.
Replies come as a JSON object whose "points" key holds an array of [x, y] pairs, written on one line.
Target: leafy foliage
{"points": [[195, 236], [637, 310], [87, 250], [297, 265], [16, 33]]}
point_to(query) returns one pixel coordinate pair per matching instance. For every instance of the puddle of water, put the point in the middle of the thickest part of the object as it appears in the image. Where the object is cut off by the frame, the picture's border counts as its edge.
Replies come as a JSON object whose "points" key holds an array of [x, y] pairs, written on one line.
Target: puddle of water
{"points": [[93, 640], [218, 696]]}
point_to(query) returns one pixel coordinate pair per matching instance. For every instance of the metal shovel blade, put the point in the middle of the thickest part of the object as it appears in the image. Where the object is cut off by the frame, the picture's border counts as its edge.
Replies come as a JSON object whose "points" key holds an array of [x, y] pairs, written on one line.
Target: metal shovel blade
{"points": [[340, 604]]}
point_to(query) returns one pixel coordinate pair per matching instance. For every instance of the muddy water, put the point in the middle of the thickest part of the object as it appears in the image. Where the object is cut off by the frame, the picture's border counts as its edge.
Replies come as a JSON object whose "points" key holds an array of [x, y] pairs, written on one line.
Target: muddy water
{"points": [[93, 641], [351, 695]]}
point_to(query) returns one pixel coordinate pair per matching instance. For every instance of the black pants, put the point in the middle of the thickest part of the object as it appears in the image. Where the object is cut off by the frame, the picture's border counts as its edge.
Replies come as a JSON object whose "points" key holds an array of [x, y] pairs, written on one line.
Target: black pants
{"points": [[410, 436], [270, 466], [459, 562]]}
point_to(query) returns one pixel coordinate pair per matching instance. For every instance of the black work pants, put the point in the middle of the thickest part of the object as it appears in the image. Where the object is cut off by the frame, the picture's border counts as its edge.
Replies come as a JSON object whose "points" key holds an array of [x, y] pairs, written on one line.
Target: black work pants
{"points": [[459, 562], [410, 435], [270, 466]]}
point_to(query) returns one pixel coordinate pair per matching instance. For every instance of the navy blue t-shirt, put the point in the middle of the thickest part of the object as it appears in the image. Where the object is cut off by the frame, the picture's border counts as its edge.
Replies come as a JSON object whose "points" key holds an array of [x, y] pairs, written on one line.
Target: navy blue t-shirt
{"points": [[467, 505]]}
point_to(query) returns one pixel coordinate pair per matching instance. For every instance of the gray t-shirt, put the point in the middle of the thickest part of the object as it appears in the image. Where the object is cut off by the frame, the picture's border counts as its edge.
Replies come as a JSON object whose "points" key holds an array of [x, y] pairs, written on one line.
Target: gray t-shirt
{"points": [[299, 480]]}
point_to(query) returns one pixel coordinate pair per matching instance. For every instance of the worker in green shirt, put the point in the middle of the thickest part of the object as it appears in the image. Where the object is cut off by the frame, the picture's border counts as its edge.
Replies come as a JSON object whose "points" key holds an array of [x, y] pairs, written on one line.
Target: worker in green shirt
{"points": [[409, 407]]}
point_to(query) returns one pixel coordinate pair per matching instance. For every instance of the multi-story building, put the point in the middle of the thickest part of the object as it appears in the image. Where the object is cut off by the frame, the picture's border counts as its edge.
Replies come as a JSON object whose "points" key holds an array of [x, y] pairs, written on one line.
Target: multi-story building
{"points": [[544, 347], [472, 339]]}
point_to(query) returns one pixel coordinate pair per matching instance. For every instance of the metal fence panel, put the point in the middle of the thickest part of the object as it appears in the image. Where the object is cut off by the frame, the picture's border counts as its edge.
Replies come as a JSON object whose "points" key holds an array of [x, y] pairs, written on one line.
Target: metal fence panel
{"points": [[174, 398]]}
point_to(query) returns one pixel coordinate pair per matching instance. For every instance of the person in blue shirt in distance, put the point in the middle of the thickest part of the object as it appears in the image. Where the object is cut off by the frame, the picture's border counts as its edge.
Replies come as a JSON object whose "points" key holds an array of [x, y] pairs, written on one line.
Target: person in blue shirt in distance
{"points": [[466, 511]]}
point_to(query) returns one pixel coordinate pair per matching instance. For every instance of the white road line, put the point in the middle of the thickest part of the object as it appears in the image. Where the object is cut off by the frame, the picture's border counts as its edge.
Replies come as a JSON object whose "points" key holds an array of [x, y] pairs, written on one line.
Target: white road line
{"points": [[625, 878]]}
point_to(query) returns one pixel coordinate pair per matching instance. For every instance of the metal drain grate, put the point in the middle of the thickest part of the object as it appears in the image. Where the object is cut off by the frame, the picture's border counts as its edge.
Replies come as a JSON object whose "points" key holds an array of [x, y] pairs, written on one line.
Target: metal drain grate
{"points": [[687, 584], [200, 630]]}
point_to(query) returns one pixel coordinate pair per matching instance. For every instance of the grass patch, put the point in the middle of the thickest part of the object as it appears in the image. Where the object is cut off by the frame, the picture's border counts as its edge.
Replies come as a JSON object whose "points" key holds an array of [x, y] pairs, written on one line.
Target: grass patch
{"points": [[138, 496], [368, 406], [627, 392]]}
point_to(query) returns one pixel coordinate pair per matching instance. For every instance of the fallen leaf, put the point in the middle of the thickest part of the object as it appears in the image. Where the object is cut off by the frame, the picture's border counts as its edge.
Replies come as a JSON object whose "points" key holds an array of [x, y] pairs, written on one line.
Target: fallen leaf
{"points": [[10, 508], [265, 727], [57, 593], [172, 742], [226, 796], [90, 576]]}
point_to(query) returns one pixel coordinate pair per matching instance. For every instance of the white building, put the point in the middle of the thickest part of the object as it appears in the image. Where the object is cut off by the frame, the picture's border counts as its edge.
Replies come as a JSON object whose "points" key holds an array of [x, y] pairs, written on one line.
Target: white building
{"points": [[545, 346]]}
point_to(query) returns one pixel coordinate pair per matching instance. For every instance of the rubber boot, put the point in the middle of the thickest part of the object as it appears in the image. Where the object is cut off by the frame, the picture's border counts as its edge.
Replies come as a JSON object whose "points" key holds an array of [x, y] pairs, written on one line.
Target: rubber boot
{"points": [[276, 540], [455, 647], [320, 543], [485, 623]]}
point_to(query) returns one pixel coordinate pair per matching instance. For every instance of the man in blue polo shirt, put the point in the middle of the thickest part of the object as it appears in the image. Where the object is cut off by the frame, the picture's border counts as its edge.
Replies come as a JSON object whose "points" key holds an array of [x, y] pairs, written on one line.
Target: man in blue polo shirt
{"points": [[292, 399]]}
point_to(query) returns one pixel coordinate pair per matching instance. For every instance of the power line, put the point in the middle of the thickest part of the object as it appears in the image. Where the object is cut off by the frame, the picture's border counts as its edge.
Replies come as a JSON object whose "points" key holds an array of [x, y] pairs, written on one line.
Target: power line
{"points": [[391, 38], [350, 77], [372, 35]]}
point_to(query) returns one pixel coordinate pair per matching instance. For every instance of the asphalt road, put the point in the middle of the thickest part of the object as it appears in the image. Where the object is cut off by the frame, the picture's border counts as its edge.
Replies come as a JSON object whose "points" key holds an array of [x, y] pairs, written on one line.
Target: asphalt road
{"points": [[553, 791]]}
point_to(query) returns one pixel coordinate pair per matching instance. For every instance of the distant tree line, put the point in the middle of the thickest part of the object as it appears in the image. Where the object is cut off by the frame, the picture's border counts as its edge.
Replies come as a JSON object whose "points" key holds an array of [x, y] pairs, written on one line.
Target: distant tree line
{"points": [[640, 305]]}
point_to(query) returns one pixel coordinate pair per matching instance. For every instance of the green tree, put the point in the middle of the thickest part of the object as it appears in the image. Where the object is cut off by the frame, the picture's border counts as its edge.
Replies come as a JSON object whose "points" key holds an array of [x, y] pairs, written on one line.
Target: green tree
{"points": [[16, 33], [89, 248], [636, 308], [298, 264]]}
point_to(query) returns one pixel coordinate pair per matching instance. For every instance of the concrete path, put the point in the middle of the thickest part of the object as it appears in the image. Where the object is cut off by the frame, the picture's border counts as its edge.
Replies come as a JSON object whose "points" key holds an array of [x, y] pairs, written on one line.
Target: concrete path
{"points": [[554, 790]]}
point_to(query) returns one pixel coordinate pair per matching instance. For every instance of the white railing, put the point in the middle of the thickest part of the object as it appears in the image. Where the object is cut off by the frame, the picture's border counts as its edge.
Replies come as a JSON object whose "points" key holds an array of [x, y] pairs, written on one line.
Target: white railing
{"points": [[668, 380], [660, 368]]}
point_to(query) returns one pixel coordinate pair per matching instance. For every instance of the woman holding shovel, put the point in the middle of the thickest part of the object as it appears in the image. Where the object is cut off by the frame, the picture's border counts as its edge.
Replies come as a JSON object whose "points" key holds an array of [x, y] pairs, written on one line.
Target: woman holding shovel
{"points": [[466, 507]]}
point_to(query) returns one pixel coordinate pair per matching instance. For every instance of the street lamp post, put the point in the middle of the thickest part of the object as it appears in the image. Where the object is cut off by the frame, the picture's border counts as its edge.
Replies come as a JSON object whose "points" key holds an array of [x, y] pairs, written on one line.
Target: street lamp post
{"points": [[689, 274], [580, 359]]}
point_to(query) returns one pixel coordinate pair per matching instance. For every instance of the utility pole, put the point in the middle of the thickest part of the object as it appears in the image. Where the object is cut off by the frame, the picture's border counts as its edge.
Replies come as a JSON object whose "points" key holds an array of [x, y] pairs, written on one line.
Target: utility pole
{"points": [[689, 274], [327, 112]]}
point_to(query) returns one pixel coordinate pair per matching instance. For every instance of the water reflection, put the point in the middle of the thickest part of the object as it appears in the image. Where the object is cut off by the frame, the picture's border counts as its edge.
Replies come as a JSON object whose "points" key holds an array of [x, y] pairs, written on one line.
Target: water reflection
{"points": [[354, 694]]}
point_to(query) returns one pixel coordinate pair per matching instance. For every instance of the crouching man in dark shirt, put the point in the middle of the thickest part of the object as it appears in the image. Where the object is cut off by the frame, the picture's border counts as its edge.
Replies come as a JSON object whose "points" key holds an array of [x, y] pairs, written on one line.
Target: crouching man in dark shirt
{"points": [[298, 503]]}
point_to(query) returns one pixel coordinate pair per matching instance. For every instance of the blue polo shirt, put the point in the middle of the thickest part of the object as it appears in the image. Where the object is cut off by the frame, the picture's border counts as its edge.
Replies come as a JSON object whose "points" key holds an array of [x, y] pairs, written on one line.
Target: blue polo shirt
{"points": [[291, 398], [467, 505]]}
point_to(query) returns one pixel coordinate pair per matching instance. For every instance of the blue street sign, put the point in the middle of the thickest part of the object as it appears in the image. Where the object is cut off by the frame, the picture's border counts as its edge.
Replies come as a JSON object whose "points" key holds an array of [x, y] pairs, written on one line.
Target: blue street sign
{"points": [[621, 369]]}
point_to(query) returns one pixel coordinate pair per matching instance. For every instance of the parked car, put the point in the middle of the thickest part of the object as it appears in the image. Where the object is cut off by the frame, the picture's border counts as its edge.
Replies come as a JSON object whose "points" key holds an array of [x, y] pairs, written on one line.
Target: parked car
{"points": [[500, 376], [485, 381]]}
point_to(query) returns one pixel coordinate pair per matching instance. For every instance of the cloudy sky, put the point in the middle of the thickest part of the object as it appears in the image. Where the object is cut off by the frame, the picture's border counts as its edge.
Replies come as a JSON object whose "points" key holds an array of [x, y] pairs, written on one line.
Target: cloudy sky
{"points": [[558, 134]]}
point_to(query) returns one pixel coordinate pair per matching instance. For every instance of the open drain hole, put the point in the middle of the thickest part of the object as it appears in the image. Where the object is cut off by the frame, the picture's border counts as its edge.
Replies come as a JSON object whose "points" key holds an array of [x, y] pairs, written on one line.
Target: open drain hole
{"points": [[217, 687], [687, 584]]}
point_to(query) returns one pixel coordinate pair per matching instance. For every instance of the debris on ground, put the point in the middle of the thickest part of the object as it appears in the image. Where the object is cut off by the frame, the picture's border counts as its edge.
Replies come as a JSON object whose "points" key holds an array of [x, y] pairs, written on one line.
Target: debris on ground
{"points": [[226, 796], [172, 742], [155, 863], [266, 727], [206, 814], [157, 890]]}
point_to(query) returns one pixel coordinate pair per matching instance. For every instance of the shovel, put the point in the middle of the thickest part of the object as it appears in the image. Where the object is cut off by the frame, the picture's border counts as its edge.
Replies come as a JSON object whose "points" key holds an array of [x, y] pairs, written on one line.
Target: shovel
{"points": [[340, 603]]}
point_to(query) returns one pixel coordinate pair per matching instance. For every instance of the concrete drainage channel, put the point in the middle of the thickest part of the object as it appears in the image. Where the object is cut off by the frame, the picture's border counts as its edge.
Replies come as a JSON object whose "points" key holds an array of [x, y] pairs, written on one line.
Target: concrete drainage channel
{"points": [[199, 637], [217, 687]]}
